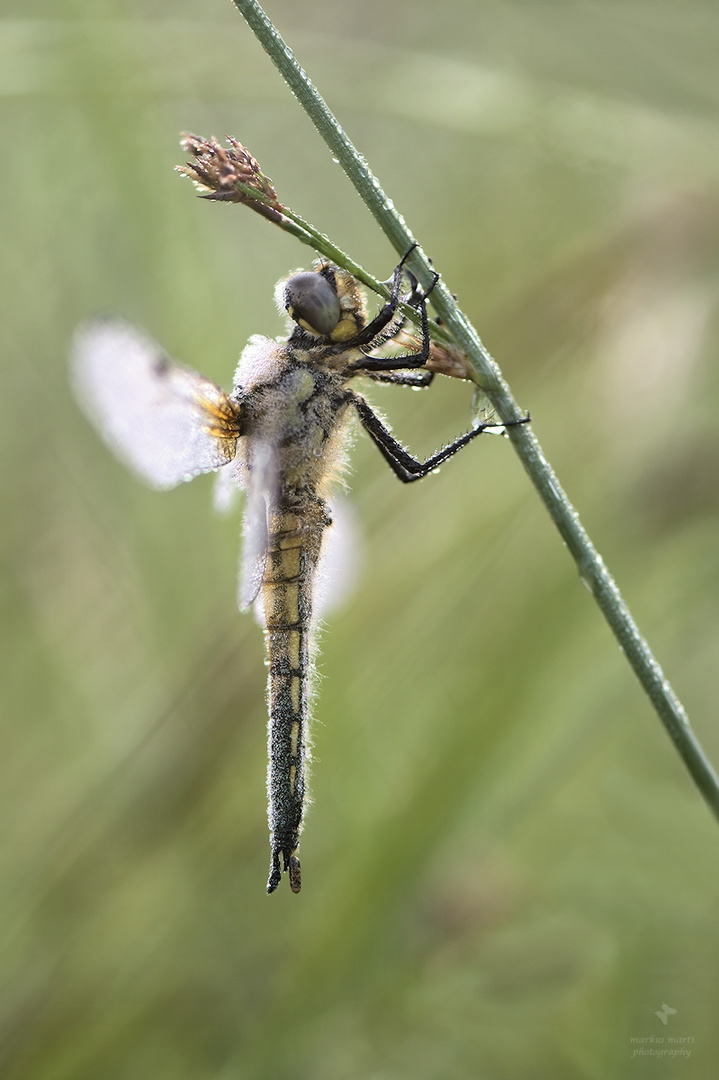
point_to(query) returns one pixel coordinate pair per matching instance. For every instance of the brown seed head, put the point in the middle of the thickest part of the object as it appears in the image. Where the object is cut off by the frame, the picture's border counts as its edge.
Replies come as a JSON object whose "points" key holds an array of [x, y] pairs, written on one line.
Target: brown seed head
{"points": [[224, 175]]}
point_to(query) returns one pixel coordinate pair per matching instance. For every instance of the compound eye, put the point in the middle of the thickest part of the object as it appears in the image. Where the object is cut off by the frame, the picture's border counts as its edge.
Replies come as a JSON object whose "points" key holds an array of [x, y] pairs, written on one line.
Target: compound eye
{"points": [[312, 303]]}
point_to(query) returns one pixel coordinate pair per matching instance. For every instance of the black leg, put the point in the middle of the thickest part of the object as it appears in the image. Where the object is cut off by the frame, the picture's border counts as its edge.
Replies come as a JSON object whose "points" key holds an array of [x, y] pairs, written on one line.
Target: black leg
{"points": [[404, 466], [373, 331], [396, 363], [377, 325], [405, 378], [412, 360]]}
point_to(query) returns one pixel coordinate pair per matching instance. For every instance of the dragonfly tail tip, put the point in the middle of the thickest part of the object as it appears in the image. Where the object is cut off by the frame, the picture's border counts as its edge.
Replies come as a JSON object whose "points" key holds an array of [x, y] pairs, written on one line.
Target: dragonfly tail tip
{"points": [[275, 873], [292, 865], [295, 874]]}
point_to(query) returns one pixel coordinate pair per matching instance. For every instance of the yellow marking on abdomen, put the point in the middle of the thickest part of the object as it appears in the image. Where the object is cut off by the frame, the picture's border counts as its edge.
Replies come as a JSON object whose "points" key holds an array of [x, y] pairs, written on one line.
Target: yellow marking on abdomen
{"points": [[287, 523], [282, 604], [292, 540], [294, 737], [295, 693], [293, 648], [284, 564], [293, 774]]}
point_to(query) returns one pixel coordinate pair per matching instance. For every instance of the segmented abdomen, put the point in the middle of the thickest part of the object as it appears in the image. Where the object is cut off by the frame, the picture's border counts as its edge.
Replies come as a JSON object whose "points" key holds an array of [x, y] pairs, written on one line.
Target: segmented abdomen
{"points": [[295, 538]]}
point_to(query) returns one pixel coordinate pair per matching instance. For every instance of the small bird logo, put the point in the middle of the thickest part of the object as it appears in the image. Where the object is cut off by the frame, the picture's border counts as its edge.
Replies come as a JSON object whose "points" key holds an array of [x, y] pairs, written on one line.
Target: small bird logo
{"points": [[665, 1012]]}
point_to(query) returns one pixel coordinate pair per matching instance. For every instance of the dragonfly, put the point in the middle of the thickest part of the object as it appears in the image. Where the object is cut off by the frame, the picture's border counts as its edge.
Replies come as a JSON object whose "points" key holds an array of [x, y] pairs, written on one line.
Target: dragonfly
{"points": [[281, 435]]}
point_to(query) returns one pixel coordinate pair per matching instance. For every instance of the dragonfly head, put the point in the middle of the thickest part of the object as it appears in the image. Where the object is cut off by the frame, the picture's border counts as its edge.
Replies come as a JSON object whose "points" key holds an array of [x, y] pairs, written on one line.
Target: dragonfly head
{"points": [[312, 301], [326, 302]]}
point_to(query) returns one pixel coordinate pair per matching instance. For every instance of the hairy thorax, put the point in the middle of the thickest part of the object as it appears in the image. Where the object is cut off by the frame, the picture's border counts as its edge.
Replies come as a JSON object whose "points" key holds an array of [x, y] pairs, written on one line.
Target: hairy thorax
{"points": [[295, 403]]}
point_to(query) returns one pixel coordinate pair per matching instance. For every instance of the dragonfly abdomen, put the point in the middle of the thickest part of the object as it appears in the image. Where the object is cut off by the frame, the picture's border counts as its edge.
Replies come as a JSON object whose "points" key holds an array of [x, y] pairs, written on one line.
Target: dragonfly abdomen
{"points": [[293, 552]]}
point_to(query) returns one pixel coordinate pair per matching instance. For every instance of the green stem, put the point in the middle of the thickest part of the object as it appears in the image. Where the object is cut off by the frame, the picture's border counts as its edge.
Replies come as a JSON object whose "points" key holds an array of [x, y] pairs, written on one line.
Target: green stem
{"points": [[591, 566], [305, 232], [286, 218]]}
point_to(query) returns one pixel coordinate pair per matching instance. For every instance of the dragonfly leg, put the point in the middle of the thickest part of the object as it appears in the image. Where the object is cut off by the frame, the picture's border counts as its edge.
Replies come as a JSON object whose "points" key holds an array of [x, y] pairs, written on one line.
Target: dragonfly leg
{"points": [[369, 363], [406, 467], [368, 333], [403, 378]]}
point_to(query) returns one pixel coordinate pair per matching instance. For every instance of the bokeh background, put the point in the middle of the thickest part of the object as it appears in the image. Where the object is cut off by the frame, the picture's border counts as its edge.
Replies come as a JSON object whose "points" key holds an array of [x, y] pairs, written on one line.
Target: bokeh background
{"points": [[507, 871]]}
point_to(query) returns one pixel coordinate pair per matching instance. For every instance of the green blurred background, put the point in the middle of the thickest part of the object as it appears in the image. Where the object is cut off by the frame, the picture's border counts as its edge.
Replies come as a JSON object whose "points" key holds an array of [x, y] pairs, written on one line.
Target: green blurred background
{"points": [[506, 868]]}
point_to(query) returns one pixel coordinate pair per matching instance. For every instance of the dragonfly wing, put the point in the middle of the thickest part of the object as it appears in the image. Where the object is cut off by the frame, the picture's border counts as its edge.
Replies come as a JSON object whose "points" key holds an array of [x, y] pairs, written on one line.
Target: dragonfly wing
{"points": [[340, 562], [261, 490], [165, 421]]}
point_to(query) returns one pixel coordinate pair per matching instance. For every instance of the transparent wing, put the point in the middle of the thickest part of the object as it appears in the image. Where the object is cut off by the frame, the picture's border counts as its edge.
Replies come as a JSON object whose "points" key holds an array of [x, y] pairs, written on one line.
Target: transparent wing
{"points": [[261, 491], [340, 564], [163, 420]]}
